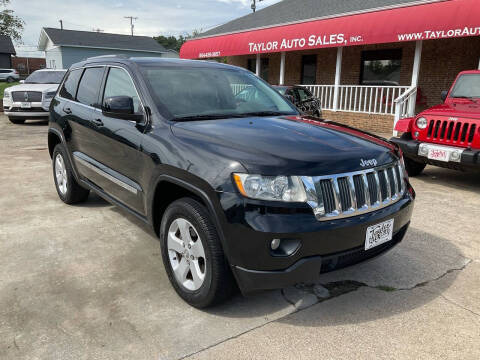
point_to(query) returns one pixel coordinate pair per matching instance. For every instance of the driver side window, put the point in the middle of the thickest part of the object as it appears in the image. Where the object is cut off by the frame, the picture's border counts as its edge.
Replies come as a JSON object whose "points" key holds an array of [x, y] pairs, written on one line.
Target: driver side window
{"points": [[119, 83]]}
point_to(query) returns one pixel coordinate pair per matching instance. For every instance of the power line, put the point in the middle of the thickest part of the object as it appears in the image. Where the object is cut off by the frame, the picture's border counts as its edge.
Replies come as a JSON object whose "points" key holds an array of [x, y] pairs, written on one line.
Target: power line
{"points": [[131, 21]]}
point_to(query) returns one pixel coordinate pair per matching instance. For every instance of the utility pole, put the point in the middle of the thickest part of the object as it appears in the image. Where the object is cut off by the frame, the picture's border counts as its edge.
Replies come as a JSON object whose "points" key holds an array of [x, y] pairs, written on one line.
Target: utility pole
{"points": [[61, 24], [131, 21], [254, 5]]}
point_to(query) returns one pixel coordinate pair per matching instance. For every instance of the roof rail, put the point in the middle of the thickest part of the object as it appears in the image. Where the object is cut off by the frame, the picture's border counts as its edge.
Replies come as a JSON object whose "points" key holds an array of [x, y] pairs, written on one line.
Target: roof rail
{"points": [[121, 56]]}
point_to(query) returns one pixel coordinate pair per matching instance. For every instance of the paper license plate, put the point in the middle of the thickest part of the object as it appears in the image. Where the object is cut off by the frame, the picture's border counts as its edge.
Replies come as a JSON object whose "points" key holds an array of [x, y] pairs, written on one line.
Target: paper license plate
{"points": [[438, 154], [25, 105], [379, 234]]}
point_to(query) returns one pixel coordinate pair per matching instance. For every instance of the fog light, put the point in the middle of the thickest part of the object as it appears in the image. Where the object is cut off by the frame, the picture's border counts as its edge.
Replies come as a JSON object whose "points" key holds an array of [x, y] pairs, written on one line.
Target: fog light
{"points": [[423, 150], [416, 134], [455, 156], [275, 244]]}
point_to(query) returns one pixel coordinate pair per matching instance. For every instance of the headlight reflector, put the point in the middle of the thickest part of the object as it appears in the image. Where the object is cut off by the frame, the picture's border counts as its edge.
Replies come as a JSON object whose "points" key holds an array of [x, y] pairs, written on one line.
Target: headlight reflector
{"points": [[272, 188], [422, 123]]}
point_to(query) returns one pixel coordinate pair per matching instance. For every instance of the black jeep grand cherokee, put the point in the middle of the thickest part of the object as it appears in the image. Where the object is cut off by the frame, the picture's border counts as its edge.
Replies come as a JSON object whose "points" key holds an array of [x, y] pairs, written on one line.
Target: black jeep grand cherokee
{"points": [[239, 191]]}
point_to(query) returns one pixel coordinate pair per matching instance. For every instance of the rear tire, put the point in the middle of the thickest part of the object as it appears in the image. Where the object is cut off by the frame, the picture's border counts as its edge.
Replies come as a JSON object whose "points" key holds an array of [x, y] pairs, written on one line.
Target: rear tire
{"points": [[10, 79], [413, 168], [205, 279], [16, 120], [69, 191]]}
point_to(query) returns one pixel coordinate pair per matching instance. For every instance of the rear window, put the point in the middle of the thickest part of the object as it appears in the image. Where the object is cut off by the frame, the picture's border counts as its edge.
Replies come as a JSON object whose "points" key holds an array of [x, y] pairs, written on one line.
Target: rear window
{"points": [[89, 86], [69, 87]]}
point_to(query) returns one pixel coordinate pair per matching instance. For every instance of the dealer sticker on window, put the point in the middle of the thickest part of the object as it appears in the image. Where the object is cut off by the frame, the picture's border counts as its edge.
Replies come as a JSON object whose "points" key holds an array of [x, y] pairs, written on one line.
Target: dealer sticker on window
{"points": [[379, 234]]}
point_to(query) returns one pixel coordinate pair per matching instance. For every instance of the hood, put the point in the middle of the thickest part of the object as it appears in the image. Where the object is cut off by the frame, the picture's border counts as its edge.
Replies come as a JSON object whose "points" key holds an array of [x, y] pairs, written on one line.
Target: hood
{"points": [[34, 87], [287, 145], [457, 108]]}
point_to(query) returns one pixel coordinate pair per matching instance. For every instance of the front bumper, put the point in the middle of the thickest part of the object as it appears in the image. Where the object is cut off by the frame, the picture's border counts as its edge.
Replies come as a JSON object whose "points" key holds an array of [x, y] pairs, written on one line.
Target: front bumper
{"points": [[470, 158], [37, 109], [324, 245]]}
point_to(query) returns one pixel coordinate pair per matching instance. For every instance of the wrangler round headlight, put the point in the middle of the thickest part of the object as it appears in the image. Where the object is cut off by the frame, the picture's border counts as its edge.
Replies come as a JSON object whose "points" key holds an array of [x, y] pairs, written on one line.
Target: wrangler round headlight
{"points": [[273, 188], [422, 123]]}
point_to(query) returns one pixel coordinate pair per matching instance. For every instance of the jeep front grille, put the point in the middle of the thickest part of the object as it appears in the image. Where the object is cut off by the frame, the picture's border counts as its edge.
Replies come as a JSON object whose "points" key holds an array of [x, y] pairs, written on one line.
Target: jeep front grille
{"points": [[452, 131], [27, 96], [354, 193]]}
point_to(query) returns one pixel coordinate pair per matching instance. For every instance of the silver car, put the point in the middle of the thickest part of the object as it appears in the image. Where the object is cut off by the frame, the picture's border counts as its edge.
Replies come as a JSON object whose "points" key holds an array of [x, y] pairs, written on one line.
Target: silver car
{"points": [[9, 75]]}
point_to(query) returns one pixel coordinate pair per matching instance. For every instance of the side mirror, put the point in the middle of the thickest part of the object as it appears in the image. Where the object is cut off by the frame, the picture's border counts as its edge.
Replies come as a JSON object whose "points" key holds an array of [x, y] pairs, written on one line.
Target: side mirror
{"points": [[443, 95], [120, 107], [22, 81]]}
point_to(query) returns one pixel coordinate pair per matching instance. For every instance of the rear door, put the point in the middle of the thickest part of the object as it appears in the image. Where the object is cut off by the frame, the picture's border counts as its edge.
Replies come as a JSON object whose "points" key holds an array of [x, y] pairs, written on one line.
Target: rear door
{"points": [[117, 142], [79, 112]]}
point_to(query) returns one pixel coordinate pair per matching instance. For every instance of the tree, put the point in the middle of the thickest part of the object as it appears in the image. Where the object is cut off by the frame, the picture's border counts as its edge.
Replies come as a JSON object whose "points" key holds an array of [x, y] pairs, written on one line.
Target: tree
{"points": [[170, 42], [10, 24], [174, 42]]}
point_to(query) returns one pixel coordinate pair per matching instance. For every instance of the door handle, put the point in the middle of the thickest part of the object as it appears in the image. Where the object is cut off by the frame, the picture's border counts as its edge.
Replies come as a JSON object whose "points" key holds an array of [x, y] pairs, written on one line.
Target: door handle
{"points": [[98, 122], [67, 110]]}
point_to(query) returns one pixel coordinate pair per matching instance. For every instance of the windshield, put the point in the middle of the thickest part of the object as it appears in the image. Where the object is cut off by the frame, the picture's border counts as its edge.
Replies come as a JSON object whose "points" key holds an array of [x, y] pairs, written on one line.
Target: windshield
{"points": [[45, 77], [202, 93], [281, 90], [467, 86]]}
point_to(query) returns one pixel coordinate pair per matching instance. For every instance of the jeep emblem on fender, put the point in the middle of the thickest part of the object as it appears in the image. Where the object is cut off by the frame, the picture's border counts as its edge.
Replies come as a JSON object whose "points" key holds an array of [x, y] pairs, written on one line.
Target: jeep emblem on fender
{"points": [[453, 119], [25, 96], [371, 162]]}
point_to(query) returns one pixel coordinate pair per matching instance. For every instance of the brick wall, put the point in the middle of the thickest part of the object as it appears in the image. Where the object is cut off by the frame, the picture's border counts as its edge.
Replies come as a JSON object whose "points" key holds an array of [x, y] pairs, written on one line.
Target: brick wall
{"points": [[20, 64], [369, 122]]}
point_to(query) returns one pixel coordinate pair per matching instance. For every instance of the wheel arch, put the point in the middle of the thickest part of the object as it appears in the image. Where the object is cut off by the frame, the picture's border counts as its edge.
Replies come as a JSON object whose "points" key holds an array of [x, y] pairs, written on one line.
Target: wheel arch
{"points": [[180, 188], [54, 138]]}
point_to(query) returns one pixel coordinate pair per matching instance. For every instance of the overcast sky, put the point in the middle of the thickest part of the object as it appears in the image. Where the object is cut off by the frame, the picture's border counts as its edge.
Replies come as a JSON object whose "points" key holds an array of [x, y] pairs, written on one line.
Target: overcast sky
{"points": [[155, 17]]}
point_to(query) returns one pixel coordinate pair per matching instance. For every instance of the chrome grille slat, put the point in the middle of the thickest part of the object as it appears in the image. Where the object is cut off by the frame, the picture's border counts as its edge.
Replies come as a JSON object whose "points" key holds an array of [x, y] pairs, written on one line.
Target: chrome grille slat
{"points": [[350, 194]]}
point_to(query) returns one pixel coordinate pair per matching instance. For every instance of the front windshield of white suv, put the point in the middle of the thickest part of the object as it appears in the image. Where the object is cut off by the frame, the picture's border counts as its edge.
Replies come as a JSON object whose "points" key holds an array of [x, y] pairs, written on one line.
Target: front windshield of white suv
{"points": [[45, 77], [209, 93], [467, 86]]}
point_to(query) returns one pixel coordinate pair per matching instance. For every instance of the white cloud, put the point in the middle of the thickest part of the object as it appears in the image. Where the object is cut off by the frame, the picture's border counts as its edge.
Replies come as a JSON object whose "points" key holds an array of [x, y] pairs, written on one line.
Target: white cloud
{"points": [[154, 17]]}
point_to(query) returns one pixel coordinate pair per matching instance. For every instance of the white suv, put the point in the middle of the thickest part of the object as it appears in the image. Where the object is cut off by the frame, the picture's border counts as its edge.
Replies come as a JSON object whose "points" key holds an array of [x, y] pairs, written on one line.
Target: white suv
{"points": [[32, 98], [9, 75]]}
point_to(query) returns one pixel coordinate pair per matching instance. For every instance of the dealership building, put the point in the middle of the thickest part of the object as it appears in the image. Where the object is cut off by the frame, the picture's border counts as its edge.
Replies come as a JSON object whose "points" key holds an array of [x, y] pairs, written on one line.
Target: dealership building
{"points": [[370, 62]]}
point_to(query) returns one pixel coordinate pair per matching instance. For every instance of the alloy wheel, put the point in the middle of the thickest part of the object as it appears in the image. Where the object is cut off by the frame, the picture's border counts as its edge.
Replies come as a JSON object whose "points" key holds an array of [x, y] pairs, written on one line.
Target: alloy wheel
{"points": [[61, 174], [186, 254]]}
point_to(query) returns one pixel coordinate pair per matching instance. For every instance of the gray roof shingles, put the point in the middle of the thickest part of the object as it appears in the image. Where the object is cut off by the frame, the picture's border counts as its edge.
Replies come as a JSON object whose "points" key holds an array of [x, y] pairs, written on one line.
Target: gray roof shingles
{"points": [[6, 45], [102, 40], [288, 11]]}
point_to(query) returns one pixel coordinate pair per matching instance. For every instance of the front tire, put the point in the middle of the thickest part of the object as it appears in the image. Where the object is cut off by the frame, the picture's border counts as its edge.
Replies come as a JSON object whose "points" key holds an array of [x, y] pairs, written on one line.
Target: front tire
{"points": [[16, 120], [193, 256], [69, 191], [413, 168]]}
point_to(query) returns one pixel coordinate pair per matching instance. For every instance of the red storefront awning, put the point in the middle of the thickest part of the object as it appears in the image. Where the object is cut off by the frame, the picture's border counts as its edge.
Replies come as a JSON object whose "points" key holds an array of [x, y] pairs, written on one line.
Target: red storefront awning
{"points": [[438, 20]]}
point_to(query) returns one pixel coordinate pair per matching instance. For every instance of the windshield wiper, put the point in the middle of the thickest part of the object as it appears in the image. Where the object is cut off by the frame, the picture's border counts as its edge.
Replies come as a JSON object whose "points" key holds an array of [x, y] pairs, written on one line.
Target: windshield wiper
{"points": [[267, 113], [471, 98], [206, 117]]}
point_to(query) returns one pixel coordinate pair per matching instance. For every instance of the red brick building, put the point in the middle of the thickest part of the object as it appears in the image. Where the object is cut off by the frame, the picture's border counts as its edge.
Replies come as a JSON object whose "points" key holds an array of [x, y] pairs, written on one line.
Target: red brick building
{"points": [[370, 62], [26, 65]]}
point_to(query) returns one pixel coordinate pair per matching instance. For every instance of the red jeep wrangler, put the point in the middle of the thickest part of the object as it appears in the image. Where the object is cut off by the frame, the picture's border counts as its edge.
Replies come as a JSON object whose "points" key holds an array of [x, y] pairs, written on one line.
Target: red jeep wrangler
{"points": [[446, 135]]}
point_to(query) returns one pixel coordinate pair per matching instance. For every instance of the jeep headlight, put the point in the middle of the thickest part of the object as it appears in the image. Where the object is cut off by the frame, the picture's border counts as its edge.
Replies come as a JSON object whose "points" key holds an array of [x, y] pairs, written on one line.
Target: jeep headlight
{"points": [[422, 123], [6, 94], [49, 95], [272, 188]]}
